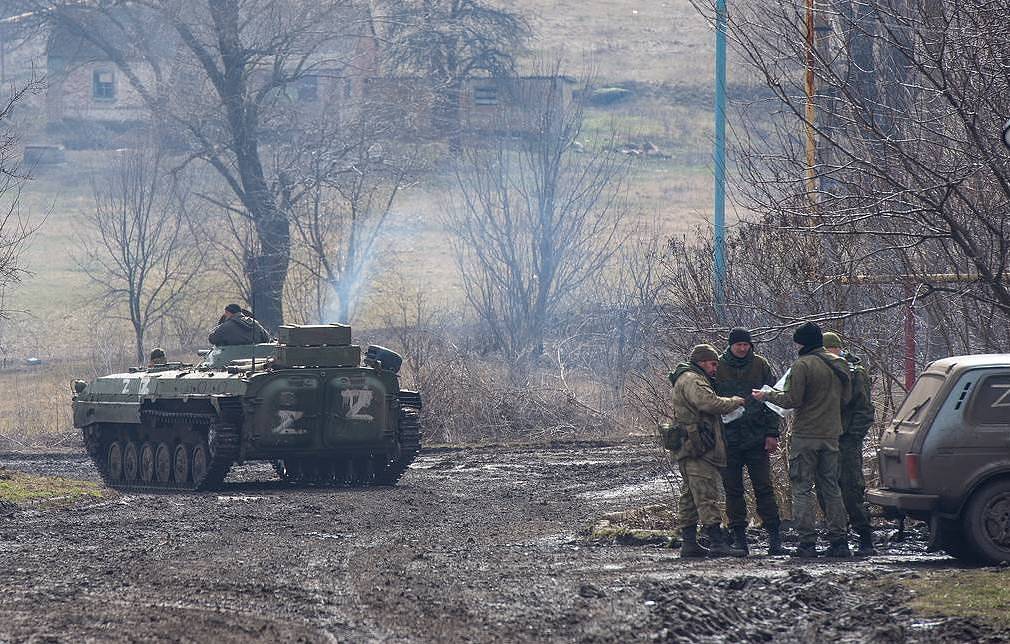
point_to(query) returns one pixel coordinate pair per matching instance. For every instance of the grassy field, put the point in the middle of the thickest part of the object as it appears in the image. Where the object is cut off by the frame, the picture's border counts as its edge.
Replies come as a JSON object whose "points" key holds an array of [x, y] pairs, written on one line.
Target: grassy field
{"points": [[27, 490], [980, 593]]}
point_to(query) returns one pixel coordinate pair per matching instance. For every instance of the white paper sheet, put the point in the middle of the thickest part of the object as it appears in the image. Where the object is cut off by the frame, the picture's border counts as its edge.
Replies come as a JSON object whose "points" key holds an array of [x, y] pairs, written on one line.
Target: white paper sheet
{"points": [[779, 386]]}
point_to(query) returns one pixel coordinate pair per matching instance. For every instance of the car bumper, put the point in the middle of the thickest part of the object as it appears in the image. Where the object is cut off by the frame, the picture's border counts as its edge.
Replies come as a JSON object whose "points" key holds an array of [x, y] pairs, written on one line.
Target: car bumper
{"points": [[905, 501]]}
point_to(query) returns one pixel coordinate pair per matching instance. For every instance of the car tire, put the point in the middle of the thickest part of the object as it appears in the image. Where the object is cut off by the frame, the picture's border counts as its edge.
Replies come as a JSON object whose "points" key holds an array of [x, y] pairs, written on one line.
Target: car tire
{"points": [[952, 542], [986, 522]]}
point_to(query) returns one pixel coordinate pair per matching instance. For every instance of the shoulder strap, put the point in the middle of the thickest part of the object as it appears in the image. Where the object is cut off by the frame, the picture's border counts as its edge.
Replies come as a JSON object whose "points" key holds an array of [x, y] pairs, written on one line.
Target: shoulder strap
{"points": [[842, 377]]}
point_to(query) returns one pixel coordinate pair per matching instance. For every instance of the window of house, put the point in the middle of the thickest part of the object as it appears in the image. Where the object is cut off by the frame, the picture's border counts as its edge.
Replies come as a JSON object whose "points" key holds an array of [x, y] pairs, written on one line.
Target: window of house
{"points": [[485, 96], [991, 405], [308, 89], [103, 85]]}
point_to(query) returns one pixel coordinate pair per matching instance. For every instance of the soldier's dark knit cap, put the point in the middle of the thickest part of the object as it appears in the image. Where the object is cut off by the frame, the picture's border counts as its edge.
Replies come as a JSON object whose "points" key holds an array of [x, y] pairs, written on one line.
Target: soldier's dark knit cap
{"points": [[809, 335], [233, 308], [157, 352], [740, 334]]}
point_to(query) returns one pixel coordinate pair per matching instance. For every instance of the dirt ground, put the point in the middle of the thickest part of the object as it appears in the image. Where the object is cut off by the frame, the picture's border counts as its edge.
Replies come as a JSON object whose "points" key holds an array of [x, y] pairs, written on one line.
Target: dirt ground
{"points": [[483, 544]]}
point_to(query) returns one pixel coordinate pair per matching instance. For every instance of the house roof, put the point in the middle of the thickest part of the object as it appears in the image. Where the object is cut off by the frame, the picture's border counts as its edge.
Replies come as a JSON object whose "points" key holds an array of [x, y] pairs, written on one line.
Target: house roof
{"points": [[77, 32]]}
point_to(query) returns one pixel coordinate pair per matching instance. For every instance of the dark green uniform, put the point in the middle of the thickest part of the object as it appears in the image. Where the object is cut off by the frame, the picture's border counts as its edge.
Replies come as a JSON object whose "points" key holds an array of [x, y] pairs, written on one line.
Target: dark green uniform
{"points": [[818, 386], [857, 418], [745, 439]]}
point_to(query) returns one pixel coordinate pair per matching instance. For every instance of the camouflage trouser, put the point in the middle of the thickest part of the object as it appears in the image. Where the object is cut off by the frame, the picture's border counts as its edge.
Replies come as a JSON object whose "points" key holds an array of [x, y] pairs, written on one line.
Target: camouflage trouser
{"points": [[814, 461], [700, 484], [851, 482], [759, 469]]}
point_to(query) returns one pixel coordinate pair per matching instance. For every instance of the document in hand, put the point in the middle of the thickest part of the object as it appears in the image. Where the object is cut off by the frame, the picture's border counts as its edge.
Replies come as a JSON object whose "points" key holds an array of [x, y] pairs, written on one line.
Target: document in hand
{"points": [[779, 386], [733, 415]]}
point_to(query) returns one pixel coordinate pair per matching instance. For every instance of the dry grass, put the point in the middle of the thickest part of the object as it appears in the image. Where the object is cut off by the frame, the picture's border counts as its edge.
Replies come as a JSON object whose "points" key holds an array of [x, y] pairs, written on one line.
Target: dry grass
{"points": [[26, 489], [983, 594]]}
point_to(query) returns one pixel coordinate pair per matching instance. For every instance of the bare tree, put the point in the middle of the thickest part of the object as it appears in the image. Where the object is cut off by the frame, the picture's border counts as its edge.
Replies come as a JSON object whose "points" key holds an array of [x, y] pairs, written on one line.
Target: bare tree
{"points": [[340, 220], [535, 221], [220, 89], [910, 180], [447, 41], [15, 227], [137, 246]]}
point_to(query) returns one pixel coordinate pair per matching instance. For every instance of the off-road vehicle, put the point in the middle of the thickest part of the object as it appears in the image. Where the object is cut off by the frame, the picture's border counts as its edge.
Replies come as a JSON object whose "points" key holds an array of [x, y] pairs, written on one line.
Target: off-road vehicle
{"points": [[306, 403], [945, 458]]}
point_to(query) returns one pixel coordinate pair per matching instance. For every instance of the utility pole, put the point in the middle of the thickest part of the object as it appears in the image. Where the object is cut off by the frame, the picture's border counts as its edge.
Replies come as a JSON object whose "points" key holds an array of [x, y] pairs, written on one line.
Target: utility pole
{"points": [[719, 218], [810, 109]]}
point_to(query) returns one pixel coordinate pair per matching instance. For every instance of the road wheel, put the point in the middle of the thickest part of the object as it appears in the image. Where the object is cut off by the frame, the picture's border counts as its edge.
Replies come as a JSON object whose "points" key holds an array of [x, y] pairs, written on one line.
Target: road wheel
{"points": [[163, 463], [131, 461], [200, 461], [114, 461], [147, 462], [180, 464], [987, 522]]}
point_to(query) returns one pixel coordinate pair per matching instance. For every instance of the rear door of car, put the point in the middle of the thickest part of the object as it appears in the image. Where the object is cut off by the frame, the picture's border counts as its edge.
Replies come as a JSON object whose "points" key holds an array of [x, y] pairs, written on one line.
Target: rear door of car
{"points": [[986, 445], [906, 432]]}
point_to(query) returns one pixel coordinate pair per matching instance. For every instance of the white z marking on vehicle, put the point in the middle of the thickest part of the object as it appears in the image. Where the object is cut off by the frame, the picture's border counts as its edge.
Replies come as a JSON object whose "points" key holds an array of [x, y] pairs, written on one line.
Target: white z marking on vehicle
{"points": [[145, 386], [287, 425], [126, 385], [1002, 400], [356, 400]]}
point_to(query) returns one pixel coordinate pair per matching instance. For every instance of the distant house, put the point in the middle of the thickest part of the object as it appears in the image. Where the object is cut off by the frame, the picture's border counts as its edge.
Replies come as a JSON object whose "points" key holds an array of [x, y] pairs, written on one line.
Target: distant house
{"points": [[86, 87], [88, 95], [89, 98], [486, 106]]}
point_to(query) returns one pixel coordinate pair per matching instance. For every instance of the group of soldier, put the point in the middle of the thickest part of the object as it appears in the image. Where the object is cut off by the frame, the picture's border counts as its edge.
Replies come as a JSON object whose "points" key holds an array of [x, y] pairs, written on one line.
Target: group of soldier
{"points": [[829, 393]]}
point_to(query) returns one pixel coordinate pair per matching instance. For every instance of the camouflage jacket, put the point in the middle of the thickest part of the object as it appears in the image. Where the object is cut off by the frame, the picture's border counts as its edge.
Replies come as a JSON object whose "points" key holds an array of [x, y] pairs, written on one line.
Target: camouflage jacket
{"points": [[858, 415], [695, 403], [238, 329], [737, 377]]}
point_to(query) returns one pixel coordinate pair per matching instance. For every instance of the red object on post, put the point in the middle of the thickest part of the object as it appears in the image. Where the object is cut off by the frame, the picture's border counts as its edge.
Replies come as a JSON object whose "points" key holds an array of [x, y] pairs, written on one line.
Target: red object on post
{"points": [[910, 346]]}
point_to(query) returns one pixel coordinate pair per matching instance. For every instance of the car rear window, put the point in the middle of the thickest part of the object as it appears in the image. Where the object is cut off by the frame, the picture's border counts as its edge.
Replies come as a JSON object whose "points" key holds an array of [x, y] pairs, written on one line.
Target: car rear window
{"points": [[991, 404], [914, 407]]}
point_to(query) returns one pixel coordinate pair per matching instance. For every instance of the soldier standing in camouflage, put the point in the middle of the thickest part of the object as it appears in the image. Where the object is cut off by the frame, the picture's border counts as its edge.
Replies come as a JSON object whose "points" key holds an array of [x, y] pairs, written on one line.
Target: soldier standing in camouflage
{"points": [[817, 387], [749, 441], [857, 418], [697, 412]]}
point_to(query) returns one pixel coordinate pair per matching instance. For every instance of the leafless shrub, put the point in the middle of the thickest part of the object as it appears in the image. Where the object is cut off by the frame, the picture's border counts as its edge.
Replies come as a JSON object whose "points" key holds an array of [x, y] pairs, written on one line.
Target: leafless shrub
{"points": [[137, 245], [535, 222]]}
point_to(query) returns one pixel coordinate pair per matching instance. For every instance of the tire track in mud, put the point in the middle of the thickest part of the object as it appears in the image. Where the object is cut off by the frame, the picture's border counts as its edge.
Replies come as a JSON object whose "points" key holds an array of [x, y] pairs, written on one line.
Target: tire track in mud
{"points": [[482, 544]]}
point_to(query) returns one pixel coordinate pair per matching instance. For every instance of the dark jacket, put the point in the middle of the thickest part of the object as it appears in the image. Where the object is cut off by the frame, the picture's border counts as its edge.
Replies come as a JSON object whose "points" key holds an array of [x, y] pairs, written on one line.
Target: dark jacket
{"points": [[737, 377], [857, 416], [238, 329], [817, 388], [695, 403]]}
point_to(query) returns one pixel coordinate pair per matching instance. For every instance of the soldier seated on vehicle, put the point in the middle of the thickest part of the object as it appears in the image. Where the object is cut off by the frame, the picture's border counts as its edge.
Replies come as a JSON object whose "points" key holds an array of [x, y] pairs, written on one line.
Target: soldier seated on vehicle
{"points": [[238, 326], [157, 358]]}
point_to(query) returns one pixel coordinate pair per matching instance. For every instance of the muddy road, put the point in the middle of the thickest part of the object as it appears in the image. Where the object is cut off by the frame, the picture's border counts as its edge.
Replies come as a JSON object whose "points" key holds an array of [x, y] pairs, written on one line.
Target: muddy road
{"points": [[473, 545]]}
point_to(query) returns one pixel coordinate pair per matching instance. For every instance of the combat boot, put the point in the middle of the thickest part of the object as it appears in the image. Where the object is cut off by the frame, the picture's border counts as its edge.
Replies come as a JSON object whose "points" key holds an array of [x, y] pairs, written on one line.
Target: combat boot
{"points": [[805, 551], [740, 539], [866, 548], [775, 548], [839, 549], [690, 548], [717, 544]]}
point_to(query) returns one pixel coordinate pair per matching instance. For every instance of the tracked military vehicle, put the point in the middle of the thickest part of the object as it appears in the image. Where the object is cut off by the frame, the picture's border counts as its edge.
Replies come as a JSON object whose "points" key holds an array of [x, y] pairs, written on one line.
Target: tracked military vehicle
{"points": [[308, 403]]}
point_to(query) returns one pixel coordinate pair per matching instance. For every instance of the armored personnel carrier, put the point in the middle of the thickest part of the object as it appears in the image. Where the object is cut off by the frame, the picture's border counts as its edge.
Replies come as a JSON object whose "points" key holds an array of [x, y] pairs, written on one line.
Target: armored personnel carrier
{"points": [[308, 402]]}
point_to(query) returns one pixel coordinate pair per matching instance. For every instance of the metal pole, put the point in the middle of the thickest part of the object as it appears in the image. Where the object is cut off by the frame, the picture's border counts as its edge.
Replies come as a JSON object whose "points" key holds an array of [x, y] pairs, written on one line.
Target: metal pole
{"points": [[910, 344], [719, 219], [810, 114]]}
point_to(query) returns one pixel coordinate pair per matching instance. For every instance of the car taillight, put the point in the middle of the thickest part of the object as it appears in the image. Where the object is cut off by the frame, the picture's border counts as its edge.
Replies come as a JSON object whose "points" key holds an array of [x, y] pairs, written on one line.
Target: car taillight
{"points": [[912, 469]]}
